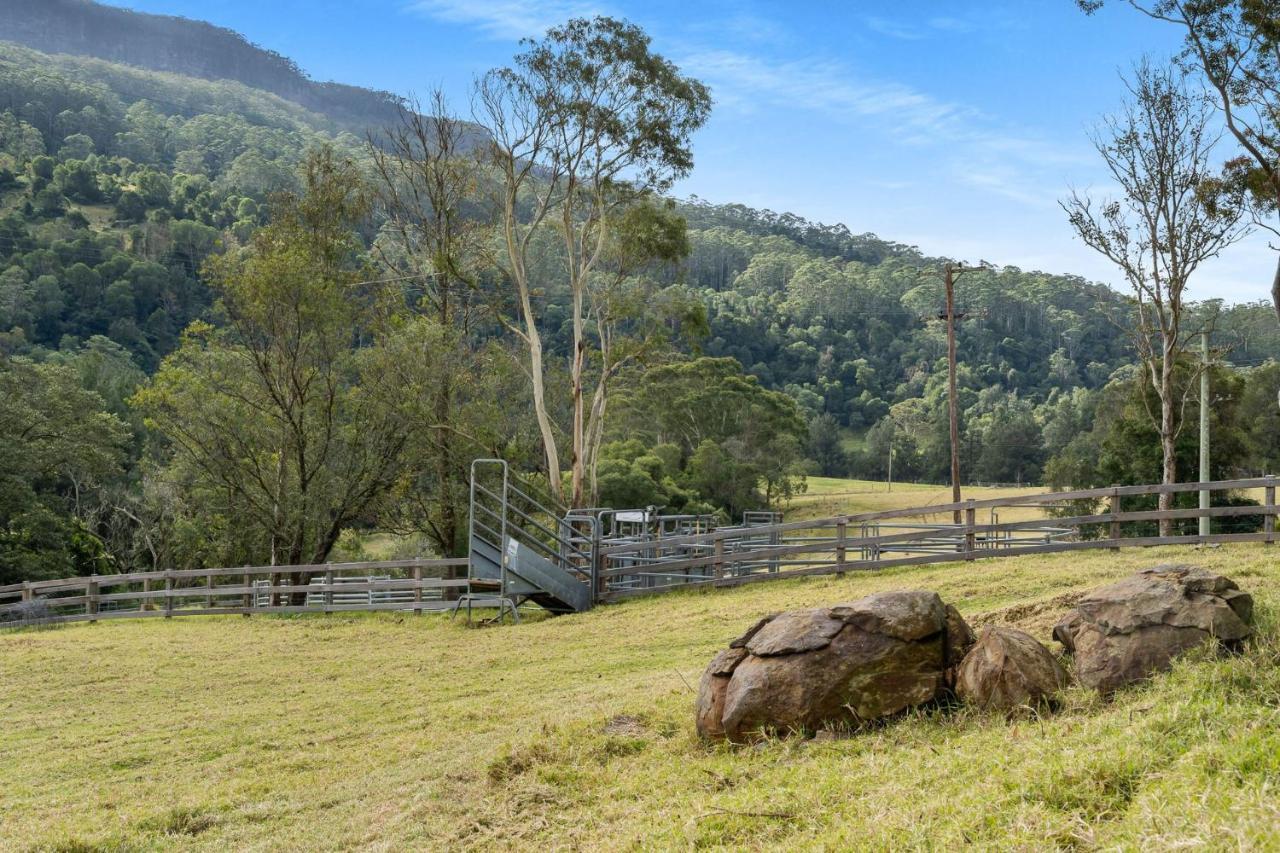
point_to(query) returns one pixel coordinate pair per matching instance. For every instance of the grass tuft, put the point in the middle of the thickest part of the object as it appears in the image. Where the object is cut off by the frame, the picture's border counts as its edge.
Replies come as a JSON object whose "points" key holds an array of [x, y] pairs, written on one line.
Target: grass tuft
{"points": [[182, 820]]}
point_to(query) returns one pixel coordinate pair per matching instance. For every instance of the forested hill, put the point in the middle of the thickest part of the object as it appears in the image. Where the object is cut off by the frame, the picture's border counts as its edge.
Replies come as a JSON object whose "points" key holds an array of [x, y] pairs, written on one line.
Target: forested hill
{"points": [[183, 46], [116, 183], [774, 348]]}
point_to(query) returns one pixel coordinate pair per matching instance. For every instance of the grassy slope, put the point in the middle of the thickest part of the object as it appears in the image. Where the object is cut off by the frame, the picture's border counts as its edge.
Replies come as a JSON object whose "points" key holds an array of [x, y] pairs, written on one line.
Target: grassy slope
{"points": [[396, 732], [828, 496]]}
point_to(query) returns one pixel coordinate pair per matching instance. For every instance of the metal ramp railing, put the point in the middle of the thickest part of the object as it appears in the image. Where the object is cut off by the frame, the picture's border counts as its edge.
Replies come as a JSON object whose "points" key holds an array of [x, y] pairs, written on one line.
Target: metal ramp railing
{"points": [[522, 549]]}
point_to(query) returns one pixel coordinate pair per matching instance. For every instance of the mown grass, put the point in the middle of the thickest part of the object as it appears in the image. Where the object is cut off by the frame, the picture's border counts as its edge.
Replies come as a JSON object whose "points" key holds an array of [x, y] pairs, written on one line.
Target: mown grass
{"points": [[412, 732]]}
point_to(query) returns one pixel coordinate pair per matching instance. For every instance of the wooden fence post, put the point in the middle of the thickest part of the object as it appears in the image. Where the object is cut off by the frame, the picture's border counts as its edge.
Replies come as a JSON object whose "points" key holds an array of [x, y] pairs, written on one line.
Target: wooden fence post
{"points": [[91, 594], [1115, 510], [328, 589], [970, 536], [27, 593], [208, 584], [718, 564], [1269, 520], [168, 593], [417, 590], [842, 530], [246, 600], [145, 603]]}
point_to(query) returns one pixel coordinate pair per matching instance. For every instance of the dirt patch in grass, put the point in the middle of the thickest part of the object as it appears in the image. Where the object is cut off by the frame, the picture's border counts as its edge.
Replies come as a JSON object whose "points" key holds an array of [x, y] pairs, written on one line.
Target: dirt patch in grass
{"points": [[181, 821], [626, 725], [1034, 617]]}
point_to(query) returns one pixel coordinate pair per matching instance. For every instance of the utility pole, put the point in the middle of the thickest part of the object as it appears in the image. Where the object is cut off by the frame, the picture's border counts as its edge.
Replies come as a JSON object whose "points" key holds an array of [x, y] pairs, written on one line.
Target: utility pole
{"points": [[949, 277], [951, 271], [891, 462], [1205, 525]]}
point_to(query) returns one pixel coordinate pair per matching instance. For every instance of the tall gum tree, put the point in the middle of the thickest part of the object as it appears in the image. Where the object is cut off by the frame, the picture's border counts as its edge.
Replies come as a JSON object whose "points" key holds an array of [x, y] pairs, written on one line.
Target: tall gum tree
{"points": [[584, 122], [1160, 230]]}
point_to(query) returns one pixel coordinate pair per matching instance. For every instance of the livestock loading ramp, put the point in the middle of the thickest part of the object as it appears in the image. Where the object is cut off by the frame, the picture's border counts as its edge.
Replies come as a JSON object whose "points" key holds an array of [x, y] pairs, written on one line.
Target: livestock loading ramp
{"points": [[523, 550]]}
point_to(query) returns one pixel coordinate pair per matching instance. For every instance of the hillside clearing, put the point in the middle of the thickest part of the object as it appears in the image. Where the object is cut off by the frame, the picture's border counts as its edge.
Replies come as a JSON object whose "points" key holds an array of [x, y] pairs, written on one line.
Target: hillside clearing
{"points": [[825, 497], [330, 732]]}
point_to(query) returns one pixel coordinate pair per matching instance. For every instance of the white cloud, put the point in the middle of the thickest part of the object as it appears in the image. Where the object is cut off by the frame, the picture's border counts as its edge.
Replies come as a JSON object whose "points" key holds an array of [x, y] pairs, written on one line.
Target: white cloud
{"points": [[980, 151], [973, 149], [951, 25], [823, 86], [895, 29], [506, 19], [1010, 184], [937, 26]]}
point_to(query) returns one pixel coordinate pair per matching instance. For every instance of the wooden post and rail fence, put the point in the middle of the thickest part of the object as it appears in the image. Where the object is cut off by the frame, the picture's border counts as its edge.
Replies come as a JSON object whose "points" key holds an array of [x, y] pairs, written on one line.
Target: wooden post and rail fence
{"points": [[1059, 522], [407, 585], [1078, 520]]}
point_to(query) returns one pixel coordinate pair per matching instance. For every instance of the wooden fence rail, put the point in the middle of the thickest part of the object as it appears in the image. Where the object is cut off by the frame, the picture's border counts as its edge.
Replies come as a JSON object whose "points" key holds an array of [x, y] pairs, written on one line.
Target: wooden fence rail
{"points": [[424, 585], [732, 556], [1078, 520]]}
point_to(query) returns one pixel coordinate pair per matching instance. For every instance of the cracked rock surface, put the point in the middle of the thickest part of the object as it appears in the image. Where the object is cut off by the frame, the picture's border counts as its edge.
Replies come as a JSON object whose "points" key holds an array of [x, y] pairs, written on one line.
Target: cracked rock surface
{"points": [[848, 663], [1126, 631], [1008, 669]]}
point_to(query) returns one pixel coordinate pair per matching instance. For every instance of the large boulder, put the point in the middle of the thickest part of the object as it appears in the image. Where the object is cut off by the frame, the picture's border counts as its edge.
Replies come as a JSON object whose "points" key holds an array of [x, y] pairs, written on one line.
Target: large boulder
{"points": [[1124, 632], [1008, 669], [848, 663]]}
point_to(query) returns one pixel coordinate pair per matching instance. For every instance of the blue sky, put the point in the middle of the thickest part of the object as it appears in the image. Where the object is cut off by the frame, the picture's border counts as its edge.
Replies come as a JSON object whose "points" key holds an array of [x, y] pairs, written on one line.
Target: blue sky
{"points": [[952, 126]]}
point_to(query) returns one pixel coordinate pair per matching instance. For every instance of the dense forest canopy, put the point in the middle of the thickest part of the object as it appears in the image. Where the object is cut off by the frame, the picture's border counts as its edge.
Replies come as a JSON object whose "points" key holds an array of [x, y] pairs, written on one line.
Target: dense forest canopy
{"points": [[137, 204]]}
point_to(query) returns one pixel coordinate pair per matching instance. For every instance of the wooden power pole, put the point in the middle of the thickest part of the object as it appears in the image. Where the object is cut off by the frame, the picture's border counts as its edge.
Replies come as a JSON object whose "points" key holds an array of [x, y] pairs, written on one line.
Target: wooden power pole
{"points": [[1206, 526], [953, 404]]}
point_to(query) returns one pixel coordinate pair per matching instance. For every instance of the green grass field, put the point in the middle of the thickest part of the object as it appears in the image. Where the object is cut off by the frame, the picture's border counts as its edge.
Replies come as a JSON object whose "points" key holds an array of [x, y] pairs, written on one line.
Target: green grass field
{"points": [[826, 497], [571, 733]]}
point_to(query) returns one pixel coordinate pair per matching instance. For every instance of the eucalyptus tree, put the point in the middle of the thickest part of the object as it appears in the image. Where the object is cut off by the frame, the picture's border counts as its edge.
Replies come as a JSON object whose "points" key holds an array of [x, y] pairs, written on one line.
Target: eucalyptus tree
{"points": [[583, 123], [58, 445], [635, 319], [1234, 45], [427, 180], [1160, 230]]}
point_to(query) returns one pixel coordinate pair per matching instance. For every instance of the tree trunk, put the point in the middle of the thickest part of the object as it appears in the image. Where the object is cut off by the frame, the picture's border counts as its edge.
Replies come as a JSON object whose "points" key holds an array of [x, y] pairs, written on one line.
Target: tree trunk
{"points": [[448, 528], [579, 366], [1275, 298], [298, 599], [448, 538], [1168, 438], [540, 411], [595, 436], [1275, 288]]}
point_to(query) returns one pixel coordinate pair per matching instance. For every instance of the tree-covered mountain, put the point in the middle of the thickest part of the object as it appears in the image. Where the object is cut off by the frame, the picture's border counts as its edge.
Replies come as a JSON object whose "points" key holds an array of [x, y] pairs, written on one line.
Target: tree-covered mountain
{"points": [[187, 47], [115, 185]]}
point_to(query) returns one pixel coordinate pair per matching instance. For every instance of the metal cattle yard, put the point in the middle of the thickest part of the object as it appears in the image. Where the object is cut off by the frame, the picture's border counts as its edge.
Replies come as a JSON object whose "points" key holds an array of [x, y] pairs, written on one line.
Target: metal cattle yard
{"points": [[524, 551]]}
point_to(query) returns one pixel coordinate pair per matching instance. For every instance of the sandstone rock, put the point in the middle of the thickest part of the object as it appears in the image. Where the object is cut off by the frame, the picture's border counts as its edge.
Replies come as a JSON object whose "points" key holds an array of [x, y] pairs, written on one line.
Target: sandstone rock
{"points": [[909, 615], [710, 708], [752, 631], [799, 631], [1008, 669], [1124, 632], [848, 663]]}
